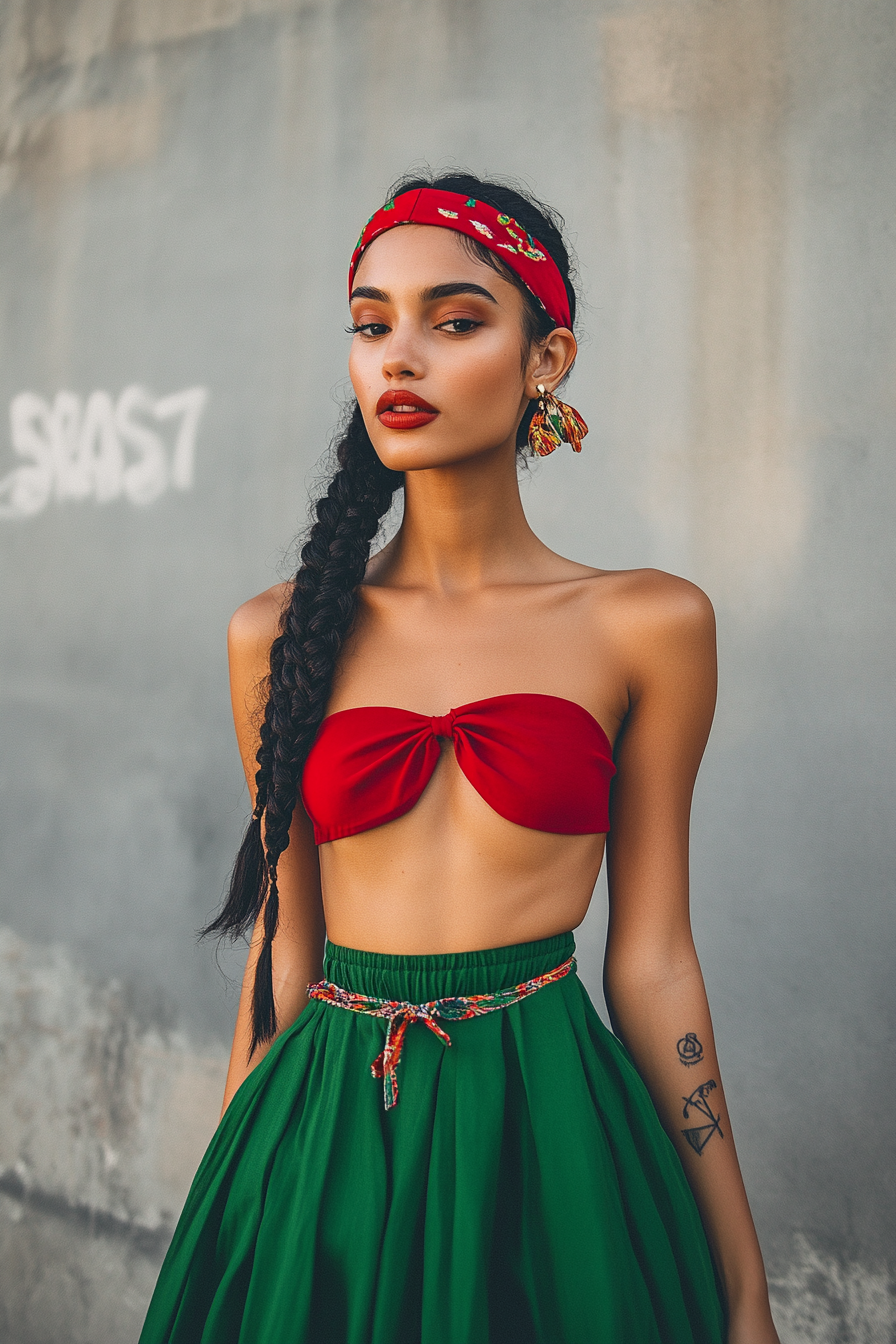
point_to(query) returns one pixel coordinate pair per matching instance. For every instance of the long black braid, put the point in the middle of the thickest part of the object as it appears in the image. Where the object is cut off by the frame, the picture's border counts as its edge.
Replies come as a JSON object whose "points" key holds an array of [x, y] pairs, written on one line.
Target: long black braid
{"points": [[313, 628], [322, 608]]}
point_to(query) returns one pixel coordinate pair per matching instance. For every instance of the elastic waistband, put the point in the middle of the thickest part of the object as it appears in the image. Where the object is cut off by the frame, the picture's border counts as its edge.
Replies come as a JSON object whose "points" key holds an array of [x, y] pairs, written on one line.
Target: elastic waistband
{"points": [[418, 978]]}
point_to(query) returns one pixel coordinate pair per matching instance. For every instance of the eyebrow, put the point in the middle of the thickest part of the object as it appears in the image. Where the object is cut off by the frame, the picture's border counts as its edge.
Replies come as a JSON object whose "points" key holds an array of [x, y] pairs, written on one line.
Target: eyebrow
{"points": [[447, 291]]}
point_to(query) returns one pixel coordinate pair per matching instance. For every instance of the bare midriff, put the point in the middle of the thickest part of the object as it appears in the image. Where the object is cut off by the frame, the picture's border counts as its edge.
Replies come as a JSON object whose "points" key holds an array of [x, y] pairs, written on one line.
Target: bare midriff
{"points": [[452, 875]]}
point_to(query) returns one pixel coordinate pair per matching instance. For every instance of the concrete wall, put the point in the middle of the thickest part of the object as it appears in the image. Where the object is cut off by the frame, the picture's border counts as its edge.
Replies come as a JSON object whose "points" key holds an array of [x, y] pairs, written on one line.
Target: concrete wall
{"points": [[182, 181]]}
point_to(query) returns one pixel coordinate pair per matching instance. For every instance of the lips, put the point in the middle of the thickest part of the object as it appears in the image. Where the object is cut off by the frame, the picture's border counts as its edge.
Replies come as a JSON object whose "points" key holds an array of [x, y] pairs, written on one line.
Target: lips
{"points": [[404, 410]]}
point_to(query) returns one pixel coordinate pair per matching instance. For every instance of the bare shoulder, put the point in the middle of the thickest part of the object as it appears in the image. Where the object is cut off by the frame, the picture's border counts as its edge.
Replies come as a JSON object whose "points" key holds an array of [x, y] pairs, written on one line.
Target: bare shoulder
{"points": [[255, 623], [252, 630], [650, 600], [660, 625]]}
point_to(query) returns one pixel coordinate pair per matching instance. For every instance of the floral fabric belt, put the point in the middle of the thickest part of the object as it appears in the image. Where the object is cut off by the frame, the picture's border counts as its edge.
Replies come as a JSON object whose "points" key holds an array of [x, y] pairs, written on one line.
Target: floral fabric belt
{"points": [[400, 1015]]}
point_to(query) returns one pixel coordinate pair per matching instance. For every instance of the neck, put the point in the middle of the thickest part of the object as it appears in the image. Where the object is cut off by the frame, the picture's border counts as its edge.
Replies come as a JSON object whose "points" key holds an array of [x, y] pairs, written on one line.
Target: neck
{"points": [[464, 527]]}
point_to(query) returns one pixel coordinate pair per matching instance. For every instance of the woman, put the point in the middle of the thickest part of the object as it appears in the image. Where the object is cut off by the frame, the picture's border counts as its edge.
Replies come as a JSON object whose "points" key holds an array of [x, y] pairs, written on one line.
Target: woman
{"points": [[431, 777]]}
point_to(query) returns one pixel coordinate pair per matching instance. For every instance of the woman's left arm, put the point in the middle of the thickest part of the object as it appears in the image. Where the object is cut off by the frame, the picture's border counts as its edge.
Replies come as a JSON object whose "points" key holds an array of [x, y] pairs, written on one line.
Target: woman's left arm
{"points": [[653, 983]]}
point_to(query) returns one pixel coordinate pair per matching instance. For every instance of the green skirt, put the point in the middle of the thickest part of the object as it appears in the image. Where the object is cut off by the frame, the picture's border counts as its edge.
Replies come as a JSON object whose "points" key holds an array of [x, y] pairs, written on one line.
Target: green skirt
{"points": [[522, 1191]]}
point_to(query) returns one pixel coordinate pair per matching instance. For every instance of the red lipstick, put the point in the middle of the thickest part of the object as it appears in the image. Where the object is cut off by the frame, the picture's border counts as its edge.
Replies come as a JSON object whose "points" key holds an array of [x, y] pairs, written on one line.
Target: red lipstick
{"points": [[404, 410]]}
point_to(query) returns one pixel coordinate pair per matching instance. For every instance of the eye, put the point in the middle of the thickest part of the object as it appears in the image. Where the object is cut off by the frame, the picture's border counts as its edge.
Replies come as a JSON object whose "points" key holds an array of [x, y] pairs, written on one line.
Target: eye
{"points": [[367, 329], [459, 326]]}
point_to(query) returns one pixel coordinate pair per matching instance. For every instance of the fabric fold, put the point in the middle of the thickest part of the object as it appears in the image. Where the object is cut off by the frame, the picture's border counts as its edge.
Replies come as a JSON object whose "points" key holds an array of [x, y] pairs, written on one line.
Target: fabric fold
{"points": [[523, 1192], [540, 761]]}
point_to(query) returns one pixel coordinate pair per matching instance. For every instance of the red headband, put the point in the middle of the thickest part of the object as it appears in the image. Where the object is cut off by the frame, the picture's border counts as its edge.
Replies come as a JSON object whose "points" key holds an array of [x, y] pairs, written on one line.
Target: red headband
{"points": [[499, 233]]}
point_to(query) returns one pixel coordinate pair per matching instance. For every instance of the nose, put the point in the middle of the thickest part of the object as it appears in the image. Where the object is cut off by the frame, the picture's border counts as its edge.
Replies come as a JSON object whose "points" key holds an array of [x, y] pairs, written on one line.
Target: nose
{"points": [[402, 357], [399, 368]]}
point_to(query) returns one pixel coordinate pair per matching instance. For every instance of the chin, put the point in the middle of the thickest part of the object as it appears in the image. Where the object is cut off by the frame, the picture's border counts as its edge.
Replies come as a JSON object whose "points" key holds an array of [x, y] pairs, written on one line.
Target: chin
{"points": [[411, 451]]}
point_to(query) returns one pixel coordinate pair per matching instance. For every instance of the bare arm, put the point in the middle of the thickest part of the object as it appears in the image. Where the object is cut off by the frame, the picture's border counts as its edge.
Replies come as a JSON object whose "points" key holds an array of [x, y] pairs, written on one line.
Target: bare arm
{"points": [[298, 944], [652, 977]]}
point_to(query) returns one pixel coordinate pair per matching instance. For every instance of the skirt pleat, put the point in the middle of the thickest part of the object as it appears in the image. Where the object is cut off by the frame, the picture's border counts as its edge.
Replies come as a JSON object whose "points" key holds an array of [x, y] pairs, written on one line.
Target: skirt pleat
{"points": [[522, 1191]]}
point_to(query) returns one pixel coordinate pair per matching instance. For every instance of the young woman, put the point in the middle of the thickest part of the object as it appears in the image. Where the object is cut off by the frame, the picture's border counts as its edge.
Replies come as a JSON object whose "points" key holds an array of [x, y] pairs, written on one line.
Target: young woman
{"points": [[430, 761]]}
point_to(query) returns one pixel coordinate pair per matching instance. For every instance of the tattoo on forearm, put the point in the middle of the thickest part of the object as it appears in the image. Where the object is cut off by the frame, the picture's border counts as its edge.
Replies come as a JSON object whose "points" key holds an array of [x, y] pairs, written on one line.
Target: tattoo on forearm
{"points": [[699, 1136], [690, 1051]]}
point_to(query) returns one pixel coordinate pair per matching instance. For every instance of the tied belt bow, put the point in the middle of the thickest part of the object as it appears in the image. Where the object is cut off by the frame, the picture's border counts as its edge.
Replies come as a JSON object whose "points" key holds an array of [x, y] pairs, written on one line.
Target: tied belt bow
{"points": [[399, 1015]]}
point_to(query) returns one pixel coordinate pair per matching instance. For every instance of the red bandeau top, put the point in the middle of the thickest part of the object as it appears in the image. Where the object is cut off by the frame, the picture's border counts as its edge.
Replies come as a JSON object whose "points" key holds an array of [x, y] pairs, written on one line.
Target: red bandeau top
{"points": [[538, 760]]}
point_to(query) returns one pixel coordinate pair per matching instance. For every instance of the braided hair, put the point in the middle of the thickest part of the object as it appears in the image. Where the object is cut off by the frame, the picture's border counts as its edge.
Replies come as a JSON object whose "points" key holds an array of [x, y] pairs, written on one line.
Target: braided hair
{"points": [[318, 618]]}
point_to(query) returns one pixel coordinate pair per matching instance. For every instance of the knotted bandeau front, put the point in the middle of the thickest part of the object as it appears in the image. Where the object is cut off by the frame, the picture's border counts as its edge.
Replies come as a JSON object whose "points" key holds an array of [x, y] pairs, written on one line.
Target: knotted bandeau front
{"points": [[538, 760]]}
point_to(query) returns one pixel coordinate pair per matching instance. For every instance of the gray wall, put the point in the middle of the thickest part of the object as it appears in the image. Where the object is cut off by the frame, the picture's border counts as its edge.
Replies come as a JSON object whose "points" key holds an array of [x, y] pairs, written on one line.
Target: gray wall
{"points": [[182, 181]]}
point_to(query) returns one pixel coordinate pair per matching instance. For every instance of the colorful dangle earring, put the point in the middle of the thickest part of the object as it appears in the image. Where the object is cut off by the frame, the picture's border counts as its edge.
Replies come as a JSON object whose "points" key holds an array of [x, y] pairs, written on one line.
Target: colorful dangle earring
{"points": [[554, 423]]}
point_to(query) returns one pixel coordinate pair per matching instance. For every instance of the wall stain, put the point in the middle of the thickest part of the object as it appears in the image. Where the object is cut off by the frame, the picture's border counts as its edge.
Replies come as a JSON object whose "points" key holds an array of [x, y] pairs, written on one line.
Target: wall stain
{"points": [[104, 1107], [54, 128], [151, 1241], [710, 77], [85, 141], [819, 1298]]}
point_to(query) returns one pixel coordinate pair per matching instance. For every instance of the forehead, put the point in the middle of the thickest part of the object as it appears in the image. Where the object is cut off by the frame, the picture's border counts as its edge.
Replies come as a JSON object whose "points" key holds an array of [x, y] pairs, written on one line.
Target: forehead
{"points": [[416, 256]]}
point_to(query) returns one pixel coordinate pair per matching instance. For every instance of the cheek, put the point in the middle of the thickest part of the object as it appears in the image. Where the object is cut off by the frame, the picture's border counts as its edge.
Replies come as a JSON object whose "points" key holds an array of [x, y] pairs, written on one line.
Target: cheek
{"points": [[489, 387], [360, 369]]}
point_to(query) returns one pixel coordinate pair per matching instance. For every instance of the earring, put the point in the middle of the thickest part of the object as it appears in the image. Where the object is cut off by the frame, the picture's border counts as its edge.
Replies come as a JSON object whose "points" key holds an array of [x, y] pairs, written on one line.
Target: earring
{"points": [[554, 423]]}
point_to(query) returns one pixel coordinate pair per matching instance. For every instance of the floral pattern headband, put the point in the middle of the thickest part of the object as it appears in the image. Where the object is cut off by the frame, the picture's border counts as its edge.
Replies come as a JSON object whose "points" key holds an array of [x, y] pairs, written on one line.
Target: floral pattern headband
{"points": [[499, 233]]}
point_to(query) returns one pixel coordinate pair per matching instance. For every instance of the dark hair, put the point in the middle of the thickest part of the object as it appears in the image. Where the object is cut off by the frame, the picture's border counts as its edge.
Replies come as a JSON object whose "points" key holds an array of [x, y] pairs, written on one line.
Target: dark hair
{"points": [[319, 615]]}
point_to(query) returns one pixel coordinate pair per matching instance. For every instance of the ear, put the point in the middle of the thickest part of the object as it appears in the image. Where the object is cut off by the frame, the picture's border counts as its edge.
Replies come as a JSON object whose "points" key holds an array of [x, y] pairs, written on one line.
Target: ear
{"points": [[551, 362]]}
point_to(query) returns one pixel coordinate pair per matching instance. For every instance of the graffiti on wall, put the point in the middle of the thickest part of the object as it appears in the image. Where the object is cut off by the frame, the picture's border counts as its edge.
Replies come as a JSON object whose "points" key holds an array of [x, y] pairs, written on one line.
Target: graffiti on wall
{"points": [[133, 448]]}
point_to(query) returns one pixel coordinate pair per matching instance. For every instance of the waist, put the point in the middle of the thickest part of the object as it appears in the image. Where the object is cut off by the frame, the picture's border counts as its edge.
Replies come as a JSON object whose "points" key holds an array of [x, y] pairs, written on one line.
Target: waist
{"points": [[420, 977], [451, 893]]}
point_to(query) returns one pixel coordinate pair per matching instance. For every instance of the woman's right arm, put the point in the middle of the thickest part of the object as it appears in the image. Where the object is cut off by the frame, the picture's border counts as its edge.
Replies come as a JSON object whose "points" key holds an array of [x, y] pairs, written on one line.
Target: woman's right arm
{"points": [[298, 944]]}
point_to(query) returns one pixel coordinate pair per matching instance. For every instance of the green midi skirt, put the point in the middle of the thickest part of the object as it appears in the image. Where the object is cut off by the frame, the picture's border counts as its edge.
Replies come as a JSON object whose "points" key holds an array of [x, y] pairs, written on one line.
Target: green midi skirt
{"points": [[521, 1191]]}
